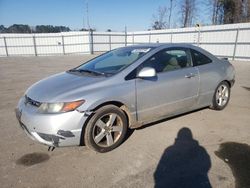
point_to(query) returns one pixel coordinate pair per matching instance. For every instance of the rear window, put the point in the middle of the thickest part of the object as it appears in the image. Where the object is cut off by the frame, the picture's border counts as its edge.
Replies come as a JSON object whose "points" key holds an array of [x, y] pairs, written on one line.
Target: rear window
{"points": [[199, 58]]}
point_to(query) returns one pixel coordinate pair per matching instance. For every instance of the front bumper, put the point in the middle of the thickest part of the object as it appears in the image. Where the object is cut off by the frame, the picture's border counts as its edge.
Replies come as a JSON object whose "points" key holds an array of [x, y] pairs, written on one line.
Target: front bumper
{"points": [[62, 129]]}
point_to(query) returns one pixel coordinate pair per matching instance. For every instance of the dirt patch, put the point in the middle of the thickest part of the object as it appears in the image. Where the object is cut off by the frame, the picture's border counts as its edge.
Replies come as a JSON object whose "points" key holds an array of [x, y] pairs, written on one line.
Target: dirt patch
{"points": [[237, 156], [32, 159]]}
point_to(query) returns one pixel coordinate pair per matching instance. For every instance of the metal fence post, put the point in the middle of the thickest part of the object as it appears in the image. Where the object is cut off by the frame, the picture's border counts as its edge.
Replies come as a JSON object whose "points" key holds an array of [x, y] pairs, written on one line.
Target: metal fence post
{"points": [[6, 47], [63, 48], [110, 42], [171, 37], [235, 43], [133, 38], [199, 35], [91, 42], [34, 42], [126, 37]]}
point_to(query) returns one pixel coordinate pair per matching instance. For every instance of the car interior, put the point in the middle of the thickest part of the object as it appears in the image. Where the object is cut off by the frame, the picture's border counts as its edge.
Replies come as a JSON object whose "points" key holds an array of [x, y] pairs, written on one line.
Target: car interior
{"points": [[168, 60]]}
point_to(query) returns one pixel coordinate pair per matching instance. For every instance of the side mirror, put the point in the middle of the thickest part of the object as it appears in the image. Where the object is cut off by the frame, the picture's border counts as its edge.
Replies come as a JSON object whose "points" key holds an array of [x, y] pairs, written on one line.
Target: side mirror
{"points": [[147, 72]]}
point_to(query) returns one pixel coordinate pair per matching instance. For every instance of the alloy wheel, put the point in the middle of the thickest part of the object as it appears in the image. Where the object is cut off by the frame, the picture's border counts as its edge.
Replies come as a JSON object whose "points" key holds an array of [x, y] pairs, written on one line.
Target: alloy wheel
{"points": [[222, 95], [107, 130]]}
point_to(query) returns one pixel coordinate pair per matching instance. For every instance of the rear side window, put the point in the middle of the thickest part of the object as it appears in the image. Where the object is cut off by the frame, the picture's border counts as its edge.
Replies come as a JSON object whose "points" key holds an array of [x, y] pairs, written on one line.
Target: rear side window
{"points": [[199, 58]]}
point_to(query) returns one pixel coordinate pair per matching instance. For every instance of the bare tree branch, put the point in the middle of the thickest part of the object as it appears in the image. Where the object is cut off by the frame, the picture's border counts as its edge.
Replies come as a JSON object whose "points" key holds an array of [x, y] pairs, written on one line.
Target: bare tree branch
{"points": [[159, 20], [188, 9]]}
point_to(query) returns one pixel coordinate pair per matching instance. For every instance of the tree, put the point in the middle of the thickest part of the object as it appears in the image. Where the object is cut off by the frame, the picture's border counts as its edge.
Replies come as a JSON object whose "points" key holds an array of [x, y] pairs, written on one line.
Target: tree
{"points": [[18, 28], [245, 10], [91, 29], [2, 29], [215, 11], [230, 11], [159, 20], [188, 10], [51, 29]]}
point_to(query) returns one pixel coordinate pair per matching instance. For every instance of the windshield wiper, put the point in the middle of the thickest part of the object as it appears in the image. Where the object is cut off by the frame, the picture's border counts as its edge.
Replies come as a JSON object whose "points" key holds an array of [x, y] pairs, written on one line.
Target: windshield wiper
{"points": [[87, 71]]}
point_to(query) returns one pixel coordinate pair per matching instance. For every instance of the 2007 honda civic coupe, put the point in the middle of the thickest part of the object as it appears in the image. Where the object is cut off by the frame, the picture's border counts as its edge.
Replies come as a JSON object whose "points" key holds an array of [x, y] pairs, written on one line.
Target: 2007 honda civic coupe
{"points": [[97, 102]]}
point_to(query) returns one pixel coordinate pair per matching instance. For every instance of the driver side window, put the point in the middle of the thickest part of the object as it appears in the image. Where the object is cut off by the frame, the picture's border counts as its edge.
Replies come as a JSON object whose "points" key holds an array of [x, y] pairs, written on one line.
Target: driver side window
{"points": [[169, 59]]}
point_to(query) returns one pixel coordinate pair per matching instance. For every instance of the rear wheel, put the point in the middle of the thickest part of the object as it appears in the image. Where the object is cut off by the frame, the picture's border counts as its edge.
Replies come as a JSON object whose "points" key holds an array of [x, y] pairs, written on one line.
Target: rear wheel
{"points": [[106, 129], [221, 96]]}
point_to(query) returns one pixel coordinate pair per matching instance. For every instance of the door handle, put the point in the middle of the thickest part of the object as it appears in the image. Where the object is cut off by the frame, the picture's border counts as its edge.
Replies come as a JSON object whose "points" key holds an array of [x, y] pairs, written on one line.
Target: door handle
{"points": [[190, 75]]}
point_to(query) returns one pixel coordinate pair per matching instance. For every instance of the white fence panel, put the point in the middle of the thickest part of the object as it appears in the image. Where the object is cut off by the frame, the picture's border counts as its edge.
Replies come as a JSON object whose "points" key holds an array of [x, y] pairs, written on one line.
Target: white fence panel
{"points": [[218, 36], [185, 38], [49, 50], [243, 51], [101, 47], [101, 39], [221, 50], [77, 48], [2, 47], [160, 37], [118, 39], [113, 46], [141, 38], [232, 41], [2, 51], [244, 35], [21, 51]]}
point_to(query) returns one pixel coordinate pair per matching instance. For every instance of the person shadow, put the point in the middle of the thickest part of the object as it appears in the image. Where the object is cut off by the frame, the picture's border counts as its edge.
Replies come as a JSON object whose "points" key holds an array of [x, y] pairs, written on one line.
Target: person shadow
{"points": [[184, 164]]}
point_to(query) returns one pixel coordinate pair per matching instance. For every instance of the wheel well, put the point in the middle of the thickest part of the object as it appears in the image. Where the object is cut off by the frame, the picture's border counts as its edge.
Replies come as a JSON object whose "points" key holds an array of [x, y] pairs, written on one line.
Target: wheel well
{"points": [[229, 83], [115, 103], [120, 105]]}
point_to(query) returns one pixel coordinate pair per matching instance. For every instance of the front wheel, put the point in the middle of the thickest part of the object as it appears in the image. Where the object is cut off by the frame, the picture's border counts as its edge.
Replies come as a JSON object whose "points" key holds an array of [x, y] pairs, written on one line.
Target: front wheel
{"points": [[221, 96], [106, 129]]}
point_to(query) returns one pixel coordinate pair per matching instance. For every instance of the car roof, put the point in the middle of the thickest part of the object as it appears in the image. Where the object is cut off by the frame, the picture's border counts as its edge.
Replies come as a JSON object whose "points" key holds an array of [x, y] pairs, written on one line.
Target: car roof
{"points": [[155, 45], [169, 45]]}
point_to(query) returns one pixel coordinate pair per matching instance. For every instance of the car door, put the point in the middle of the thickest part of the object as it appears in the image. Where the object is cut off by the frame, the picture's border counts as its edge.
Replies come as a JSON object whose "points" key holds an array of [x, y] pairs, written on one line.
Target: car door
{"points": [[210, 76], [173, 90]]}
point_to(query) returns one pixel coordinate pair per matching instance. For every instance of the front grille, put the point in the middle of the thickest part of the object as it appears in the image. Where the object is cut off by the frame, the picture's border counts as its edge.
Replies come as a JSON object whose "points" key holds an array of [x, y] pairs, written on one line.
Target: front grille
{"points": [[31, 101]]}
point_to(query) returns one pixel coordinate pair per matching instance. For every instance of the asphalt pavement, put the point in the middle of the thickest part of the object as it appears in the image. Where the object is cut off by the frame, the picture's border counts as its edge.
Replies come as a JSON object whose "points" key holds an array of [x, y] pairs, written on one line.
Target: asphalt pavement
{"points": [[205, 147]]}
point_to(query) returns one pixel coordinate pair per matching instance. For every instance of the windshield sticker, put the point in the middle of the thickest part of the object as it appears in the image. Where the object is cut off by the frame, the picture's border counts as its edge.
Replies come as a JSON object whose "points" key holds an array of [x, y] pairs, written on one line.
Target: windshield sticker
{"points": [[141, 50]]}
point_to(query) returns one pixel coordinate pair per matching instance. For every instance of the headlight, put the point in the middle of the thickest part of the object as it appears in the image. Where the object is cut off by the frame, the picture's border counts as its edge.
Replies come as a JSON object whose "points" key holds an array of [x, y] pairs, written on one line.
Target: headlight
{"points": [[59, 107]]}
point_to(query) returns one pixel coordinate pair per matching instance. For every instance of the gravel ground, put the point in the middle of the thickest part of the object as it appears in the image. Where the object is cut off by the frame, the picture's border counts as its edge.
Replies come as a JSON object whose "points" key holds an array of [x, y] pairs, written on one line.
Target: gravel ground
{"points": [[150, 156]]}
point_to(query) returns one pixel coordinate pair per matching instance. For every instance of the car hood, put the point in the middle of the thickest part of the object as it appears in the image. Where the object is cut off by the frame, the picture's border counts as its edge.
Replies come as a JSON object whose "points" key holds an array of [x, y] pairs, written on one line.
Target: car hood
{"points": [[62, 87]]}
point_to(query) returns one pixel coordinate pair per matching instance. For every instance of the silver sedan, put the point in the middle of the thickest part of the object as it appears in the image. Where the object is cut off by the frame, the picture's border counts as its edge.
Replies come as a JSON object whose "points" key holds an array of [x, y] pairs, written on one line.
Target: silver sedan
{"points": [[96, 103]]}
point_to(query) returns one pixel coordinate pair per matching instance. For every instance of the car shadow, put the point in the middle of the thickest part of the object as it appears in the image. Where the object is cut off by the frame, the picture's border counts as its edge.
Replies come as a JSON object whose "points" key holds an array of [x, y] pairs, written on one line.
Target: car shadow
{"points": [[185, 164]]}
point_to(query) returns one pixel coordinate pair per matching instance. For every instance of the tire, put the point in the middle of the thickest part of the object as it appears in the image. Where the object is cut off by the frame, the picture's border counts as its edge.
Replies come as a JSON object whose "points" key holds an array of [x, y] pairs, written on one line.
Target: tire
{"points": [[106, 129], [221, 98]]}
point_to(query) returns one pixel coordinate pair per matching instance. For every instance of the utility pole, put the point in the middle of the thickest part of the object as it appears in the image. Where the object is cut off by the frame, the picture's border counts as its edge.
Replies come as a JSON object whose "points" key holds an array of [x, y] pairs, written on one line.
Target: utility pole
{"points": [[83, 16], [87, 11]]}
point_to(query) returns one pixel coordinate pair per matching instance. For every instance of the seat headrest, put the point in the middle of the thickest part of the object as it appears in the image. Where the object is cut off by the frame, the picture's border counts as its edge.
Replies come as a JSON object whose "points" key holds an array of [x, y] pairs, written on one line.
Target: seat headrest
{"points": [[173, 61]]}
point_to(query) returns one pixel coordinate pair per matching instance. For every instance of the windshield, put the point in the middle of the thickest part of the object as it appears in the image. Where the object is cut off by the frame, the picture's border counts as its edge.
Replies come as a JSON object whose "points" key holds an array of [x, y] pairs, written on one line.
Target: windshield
{"points": [[115, 60]]}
